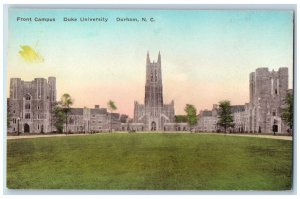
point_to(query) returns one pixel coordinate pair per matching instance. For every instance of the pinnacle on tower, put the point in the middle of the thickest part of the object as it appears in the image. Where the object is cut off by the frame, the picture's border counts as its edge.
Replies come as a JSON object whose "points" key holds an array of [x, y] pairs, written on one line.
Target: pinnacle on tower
{"points": [[159, 58], [148, 57]]}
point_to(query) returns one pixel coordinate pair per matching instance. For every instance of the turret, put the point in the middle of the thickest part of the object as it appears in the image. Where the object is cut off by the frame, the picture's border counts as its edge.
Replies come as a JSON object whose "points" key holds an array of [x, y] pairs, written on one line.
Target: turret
{"points": [[159, 59], [52, 84], [148, 58]]}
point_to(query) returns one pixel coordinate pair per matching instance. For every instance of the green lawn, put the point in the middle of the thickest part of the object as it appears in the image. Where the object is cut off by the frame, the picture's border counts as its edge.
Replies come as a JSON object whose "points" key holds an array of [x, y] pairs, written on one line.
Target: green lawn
{"points": [[150, 161]]}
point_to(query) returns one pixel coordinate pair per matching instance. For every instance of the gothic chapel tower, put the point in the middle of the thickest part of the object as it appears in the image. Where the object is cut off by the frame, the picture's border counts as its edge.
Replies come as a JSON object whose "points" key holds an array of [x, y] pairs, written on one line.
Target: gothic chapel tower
{"points": [[153, 93], [153, 87], [153, 114]]}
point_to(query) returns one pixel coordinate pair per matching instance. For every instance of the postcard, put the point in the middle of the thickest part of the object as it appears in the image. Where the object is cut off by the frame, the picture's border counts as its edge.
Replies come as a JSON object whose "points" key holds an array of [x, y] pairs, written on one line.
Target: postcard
{"points": [[149, 99]]}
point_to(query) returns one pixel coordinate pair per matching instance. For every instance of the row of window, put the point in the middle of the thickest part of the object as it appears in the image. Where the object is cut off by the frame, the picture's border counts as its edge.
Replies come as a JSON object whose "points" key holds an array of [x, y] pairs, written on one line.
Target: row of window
{"points": [[28, 106], [154, 79], [28, 116], [28, 98]]}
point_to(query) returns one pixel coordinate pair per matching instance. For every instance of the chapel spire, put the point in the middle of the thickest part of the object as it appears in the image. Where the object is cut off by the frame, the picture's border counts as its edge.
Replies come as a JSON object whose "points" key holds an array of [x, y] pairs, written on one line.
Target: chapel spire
{"points": [[159, 58]]}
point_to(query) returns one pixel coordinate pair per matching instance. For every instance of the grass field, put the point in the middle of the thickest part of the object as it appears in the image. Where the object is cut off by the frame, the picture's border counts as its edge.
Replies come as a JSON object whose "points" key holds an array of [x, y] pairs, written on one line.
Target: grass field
{"points": [[150, 161]]}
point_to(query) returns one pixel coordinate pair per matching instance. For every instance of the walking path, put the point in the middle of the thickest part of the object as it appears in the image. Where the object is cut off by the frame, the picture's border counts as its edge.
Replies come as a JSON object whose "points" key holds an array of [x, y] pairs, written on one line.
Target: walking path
{"points": [[42, 136], [279, 137]]}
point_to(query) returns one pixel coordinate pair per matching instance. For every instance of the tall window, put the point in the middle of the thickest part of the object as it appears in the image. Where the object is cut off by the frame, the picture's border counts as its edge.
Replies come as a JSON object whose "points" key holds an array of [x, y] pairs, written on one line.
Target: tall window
{"points": [[27, 115], [151, 76], [155, 76], [27, 106], [27, 97]]}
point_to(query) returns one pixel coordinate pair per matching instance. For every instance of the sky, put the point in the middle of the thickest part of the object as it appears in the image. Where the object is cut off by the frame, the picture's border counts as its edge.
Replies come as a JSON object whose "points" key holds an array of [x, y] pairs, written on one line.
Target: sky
{"points": [[207, 55]]}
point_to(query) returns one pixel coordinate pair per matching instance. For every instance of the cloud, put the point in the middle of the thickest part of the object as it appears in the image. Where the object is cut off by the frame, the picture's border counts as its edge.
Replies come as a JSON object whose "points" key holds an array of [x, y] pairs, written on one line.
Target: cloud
{"points": [[30, 55]]}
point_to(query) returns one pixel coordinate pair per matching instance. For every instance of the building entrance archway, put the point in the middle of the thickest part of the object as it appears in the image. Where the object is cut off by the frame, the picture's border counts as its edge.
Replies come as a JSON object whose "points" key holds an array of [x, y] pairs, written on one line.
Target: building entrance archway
{"points": [[153, 126], [26, 128]]}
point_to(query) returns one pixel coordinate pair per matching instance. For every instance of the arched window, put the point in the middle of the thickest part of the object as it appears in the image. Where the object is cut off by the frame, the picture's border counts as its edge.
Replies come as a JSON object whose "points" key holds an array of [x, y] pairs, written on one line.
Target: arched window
{"points": [[153, 126], [155, 76], [27, 97]]}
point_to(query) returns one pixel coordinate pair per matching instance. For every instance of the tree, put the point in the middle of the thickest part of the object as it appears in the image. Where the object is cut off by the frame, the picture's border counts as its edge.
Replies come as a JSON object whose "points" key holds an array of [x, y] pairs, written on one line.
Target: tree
{"points": [[225, 115], [288, 110], [180, 118], [66, 101], [59, 117], [112, 107], [191, 116]]}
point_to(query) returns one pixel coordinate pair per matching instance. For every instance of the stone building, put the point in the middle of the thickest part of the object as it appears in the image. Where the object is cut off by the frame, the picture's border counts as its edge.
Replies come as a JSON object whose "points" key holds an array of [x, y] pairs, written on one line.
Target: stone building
{"points": [[30, 104], [262, 114], [153, 115], [239, 118], [75, 120], [207, 120], [29, 108], [93, 120], [268, 90]]}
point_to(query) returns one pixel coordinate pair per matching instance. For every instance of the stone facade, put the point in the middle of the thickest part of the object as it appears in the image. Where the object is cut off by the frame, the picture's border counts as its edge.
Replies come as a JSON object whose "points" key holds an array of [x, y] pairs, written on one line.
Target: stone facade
{"points": [[262, 114], [29, 108], [30, 104], [268, 90], [93, 120], [208, 119], [153, 114], [239, 116]]}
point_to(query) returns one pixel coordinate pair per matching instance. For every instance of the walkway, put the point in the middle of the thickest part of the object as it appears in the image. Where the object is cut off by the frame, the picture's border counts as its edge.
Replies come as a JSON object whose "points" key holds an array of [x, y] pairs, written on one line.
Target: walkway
{"points": [[279, 137]]}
